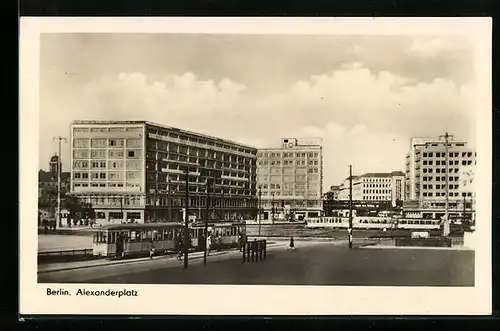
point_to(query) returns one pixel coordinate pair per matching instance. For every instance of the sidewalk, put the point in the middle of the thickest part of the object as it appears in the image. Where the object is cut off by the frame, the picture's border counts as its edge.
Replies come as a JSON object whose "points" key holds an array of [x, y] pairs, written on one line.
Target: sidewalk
{"points": [[453, 248], [64, 266]]}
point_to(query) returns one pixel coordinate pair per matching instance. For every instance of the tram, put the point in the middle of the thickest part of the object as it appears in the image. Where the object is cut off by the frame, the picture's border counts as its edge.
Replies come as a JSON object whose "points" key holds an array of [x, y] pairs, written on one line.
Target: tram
{"points": [[121, 240], [373, 223]]}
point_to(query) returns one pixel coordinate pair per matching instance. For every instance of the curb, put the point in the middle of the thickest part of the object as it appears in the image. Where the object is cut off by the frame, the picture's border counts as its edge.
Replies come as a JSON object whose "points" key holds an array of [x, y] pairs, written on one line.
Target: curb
{"points": [[419, 248], [120, 262]]}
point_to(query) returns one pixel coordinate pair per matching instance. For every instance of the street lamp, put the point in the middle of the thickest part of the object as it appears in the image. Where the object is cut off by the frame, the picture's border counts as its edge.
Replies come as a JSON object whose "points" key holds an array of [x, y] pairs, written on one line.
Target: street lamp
{"points": [[259, 212], [272, 209], [209, 183]]}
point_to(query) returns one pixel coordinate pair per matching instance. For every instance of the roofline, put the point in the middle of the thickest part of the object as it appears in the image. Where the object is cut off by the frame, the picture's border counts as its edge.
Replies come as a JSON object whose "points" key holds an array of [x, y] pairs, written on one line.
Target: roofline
{"points": [[98, 122], [282, 148], [372, 174]]}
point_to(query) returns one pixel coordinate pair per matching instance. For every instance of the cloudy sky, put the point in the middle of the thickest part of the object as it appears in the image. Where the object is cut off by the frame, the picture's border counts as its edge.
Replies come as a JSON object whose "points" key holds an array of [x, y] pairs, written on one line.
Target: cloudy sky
{"points": [[364, 95]]}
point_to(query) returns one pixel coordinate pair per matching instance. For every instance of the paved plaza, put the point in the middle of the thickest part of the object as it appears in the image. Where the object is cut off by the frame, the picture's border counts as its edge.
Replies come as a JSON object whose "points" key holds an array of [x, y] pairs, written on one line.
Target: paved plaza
{"points": [[309, 264]]}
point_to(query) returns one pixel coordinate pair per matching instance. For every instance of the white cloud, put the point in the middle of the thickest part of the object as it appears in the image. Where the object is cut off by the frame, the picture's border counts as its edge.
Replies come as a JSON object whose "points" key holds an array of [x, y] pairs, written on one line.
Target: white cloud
{"points": [[365, 119], [430, 47]]}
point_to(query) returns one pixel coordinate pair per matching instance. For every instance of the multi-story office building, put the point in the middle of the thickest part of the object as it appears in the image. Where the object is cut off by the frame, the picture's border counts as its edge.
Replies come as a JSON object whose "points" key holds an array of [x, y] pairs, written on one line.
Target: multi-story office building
{"points": [[375, 187], [427, 174], [290, 179], [135, 171]]}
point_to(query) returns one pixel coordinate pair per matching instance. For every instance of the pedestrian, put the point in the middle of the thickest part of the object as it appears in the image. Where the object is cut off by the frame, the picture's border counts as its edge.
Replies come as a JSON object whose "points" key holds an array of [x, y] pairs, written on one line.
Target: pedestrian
{"points": [[292, 244], [180, 246], [152, 251], [209, 244], [219, 240]]}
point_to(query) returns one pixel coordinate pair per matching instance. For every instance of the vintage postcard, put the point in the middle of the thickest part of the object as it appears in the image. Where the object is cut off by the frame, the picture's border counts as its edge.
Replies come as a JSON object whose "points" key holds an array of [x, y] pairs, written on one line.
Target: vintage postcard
{"points": [[255, 166]]}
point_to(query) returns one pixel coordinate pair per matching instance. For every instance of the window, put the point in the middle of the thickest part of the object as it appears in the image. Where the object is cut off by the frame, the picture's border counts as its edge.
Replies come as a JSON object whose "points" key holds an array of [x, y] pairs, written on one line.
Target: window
{"points": [[79, 154], [131, 154], [80, 164], [99, 154], [134, 143], [81, 143], [98, 143], [102, 175]]}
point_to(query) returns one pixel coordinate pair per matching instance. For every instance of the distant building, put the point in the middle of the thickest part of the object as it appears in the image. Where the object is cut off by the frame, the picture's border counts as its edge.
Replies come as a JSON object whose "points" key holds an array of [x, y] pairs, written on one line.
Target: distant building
{"points": [[136, 171], [290, 179], [47, 184], [427, 173], [375, 187]]}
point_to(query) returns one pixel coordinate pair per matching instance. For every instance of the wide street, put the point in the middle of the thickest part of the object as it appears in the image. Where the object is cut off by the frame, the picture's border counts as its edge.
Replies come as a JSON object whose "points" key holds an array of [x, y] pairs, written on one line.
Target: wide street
{"points": [[312, 263]]}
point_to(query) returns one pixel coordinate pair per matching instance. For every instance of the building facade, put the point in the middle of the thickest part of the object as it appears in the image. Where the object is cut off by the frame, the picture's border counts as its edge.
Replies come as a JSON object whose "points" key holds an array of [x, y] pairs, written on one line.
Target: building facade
{"points": [[135, 171], [47, 185], [429, 170], [375, 187], [290, 179]]}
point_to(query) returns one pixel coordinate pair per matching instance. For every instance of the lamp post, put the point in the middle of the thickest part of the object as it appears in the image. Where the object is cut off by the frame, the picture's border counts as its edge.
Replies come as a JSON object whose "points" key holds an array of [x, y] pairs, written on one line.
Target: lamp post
{"points": [[272, 209], [59, 166], [169, 202], [206, 221], [446, 226], [350, 206], [186, 222], [259, 212]]}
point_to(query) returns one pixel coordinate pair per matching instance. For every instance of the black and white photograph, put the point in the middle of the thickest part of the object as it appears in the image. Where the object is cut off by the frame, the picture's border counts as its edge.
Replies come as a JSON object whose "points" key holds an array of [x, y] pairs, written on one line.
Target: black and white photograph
{"points": [[277, 161]]}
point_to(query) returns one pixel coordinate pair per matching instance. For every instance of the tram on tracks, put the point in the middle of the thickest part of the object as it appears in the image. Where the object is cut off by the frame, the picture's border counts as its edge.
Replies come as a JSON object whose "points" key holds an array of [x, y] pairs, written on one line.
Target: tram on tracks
{"points": [[373, 223], [121, 240]]}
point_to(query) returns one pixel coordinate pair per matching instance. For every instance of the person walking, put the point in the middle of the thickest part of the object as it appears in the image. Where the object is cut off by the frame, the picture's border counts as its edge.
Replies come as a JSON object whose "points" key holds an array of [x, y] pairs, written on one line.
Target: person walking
{"points": [[152, 251], [180, 248], [209, 244], [292, 244]]}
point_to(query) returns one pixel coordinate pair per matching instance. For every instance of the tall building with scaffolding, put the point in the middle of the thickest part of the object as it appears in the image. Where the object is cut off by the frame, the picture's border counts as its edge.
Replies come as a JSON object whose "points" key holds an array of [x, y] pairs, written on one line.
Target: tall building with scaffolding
{"points": [[434, 177], [134, 171]]}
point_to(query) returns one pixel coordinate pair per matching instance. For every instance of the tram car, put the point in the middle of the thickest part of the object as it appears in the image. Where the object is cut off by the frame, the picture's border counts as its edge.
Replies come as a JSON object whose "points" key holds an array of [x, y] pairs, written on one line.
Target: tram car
{"points": [[373, 223], [418, 224], [120, 240]]}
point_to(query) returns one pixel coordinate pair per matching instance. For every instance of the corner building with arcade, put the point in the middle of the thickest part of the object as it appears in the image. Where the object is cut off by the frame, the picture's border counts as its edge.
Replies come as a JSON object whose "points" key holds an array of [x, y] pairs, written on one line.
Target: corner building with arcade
{"points": [[135, 172]]}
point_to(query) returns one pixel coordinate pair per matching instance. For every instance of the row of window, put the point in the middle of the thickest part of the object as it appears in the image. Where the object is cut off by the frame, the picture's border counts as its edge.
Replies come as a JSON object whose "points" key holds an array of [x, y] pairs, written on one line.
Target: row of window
{"points": [[440, 170], [376, 197], [288, 186], [103, 143], [376, 180], [440, 186], [268, 204], [450, 162], [377, 185], [441, 194], [130, 175], [440, 179], [102, 154], [107, 129], [451, 154], [286, 154], [176, 152], [376, 191], [157, 235], [86, 184], [287, 163], [202, 141], [131, 164]]}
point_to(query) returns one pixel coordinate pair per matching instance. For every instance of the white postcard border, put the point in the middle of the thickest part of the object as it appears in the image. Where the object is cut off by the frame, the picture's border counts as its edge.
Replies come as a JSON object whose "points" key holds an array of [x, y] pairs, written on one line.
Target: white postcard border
{"points": [[252, 300]]}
